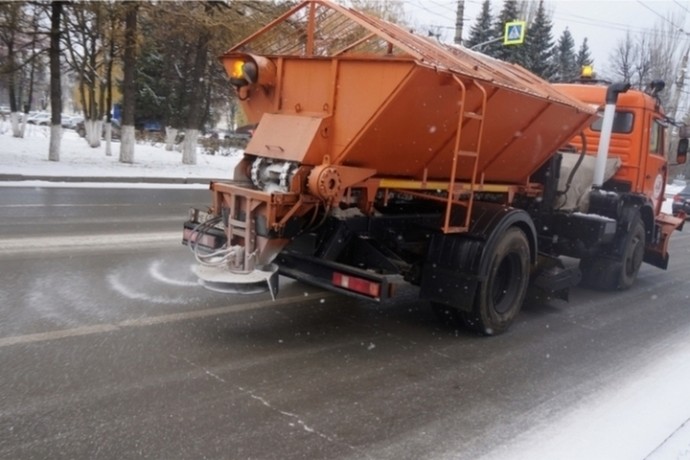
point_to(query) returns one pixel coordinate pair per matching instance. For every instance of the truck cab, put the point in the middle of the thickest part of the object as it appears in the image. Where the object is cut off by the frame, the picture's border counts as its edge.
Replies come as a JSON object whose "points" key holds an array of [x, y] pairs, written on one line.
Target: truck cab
{"points": [[638, 140]]}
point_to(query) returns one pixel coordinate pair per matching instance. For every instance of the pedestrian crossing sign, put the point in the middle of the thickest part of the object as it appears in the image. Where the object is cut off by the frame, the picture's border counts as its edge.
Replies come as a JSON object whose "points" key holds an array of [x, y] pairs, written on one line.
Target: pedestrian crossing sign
{"points": [[514, 33]]}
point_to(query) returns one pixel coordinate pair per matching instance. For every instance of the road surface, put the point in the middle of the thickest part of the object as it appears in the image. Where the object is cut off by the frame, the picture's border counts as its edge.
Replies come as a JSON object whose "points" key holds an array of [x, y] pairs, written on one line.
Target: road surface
{"points": [[109, 349]]}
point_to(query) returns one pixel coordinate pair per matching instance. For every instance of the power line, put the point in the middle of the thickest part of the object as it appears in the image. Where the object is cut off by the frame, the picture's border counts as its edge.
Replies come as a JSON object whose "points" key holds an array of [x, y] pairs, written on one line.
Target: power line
{"points": [[674, 1], [597, 22], [680, 29], [417, 4]]}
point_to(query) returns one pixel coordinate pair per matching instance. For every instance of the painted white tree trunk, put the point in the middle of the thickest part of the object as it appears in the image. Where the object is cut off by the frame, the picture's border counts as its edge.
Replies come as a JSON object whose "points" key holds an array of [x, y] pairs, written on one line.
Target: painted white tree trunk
{"points": [[93, 132], [170, 136], [17, 124], [108, 139], [189, 146], [54, 148], [127, 144]]}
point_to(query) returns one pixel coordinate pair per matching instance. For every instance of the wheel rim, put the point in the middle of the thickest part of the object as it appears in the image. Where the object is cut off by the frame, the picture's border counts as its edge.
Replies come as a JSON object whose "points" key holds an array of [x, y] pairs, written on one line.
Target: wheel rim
{"points": [[634, 259], [505, 283]]}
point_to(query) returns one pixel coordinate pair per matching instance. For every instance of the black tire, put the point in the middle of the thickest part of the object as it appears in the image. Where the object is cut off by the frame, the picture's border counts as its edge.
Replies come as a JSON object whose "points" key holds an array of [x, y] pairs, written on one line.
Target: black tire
{"points": [[499, 298], [609, 275], [632, 255]]}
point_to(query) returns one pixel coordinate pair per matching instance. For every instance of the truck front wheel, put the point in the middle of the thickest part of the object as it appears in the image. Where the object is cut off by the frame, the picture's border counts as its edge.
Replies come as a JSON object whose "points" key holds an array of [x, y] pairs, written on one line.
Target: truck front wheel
{"points": [[633, 255], [499, 297], [606, 274]]}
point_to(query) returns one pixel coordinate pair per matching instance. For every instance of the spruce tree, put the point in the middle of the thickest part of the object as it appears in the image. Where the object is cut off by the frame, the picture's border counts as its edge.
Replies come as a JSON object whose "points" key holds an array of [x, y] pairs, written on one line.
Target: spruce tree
{"points": [[583, 55], [539, 45], [481, 31], [566, 60]]}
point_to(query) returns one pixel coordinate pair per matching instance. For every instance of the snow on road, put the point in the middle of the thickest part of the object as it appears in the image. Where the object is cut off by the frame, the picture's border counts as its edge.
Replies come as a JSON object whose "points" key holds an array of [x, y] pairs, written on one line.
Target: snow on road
{"points": [[645, 415]]}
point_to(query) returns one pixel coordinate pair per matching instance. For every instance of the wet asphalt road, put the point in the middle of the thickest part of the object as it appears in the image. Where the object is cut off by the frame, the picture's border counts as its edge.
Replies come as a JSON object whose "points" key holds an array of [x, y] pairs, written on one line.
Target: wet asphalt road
{"points": [[111, 351]]}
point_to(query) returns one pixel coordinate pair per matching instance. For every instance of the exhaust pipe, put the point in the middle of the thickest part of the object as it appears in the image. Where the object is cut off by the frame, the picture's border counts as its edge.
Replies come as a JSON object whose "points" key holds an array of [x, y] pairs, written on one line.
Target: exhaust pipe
{"points": [[606, 129]]}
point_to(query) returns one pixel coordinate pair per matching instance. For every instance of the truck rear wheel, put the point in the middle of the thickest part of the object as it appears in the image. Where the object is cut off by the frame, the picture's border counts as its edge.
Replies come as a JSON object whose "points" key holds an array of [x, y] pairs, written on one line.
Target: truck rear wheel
{"points": [[499, 298]]}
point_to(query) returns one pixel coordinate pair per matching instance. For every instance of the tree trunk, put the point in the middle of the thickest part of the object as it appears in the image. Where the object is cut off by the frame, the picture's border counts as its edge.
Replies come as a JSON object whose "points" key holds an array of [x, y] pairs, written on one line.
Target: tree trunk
{"points": [[196, 103], [17, 124], [189, 146], [108, 135], [17, 127], [55, 88], [129, 85], [109, 89], [170, 137], [93, 132]]}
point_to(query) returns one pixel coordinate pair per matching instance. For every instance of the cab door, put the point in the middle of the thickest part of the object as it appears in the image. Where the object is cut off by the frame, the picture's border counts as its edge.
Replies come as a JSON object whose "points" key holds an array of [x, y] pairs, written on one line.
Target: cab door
{"points": [[654, 169]]}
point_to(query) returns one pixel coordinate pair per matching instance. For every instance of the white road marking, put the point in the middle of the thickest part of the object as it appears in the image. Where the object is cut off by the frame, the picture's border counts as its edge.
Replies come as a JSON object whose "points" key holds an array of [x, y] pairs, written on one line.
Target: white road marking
{"points": [[109, 185], [147, 321], [61, 243]]}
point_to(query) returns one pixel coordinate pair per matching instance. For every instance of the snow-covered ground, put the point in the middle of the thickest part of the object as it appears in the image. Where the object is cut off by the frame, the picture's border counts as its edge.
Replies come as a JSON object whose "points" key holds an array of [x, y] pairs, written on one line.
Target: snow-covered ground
{"points": [[645, 416], [28, 156], [629, 422]]}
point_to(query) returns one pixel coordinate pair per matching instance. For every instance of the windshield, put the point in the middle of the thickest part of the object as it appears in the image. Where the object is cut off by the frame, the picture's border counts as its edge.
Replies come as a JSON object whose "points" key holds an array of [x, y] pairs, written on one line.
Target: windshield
{"points": [[622, 122]]}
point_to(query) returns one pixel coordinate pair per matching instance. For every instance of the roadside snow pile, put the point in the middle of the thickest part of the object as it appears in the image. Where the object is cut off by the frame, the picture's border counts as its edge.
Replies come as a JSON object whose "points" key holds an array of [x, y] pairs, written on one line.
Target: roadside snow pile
{"points": [[29, 157]]}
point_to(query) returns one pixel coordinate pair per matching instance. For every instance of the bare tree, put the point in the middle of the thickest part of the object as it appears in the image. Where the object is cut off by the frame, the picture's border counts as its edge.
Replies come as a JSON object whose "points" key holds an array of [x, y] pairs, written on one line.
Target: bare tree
{"points": [[55, 87], [109, 55], [622, 59], [83, 24], [24, 44], [654, 55], [129, 85]]}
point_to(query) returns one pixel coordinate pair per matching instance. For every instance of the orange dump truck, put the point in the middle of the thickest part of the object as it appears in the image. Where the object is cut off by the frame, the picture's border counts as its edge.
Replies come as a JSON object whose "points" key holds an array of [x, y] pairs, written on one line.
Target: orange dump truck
{"points": [[381, 157]]}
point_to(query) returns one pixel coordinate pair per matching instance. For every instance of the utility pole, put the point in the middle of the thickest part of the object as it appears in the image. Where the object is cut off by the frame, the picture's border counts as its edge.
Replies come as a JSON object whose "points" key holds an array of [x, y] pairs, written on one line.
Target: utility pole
{"points": [[675, 99], [459, 22]]}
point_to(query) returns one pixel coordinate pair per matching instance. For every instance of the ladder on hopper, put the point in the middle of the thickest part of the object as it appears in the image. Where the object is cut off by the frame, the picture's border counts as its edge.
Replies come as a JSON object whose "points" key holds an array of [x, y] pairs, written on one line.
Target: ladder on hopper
{"points": [[465, 195]]}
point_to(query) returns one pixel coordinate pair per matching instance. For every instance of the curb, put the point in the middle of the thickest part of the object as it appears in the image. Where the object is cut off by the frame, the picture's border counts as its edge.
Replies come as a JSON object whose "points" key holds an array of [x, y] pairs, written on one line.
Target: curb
{"points": [[153, 180]]}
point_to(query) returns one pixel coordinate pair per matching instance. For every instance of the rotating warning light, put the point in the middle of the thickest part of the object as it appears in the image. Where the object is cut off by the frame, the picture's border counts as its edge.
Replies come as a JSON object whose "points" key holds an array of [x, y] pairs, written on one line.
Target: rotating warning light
{"points": [[248, 69], [587, 71]]}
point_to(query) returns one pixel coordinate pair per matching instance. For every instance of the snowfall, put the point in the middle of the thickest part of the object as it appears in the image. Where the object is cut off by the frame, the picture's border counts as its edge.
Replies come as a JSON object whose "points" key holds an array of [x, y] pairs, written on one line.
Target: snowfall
{"points": [[647, 417]]}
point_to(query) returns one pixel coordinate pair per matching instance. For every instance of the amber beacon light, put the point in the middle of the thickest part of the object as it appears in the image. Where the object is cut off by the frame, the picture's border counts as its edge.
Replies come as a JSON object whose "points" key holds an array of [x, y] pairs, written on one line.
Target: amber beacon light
{"points": [[247, 70]]}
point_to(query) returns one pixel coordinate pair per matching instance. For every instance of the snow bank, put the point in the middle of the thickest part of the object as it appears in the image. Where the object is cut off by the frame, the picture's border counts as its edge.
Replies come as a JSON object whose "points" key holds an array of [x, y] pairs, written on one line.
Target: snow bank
{"points": [[29, 156]]}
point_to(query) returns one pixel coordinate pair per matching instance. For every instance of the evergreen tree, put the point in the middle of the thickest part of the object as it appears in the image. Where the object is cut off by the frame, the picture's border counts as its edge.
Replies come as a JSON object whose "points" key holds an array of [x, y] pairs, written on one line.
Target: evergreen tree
{"points": [[481, 31], [566, 60], [583, 55], [539, 45], [509, 53]]}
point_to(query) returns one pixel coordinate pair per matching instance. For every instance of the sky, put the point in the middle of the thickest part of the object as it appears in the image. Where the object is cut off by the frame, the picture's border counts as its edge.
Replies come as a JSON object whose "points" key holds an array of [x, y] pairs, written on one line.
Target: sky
{"points": [[604, 23]]}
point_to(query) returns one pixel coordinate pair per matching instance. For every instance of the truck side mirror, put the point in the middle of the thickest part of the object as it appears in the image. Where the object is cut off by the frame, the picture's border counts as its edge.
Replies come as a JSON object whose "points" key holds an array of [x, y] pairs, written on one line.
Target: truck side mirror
{"points": [[682, 152]]}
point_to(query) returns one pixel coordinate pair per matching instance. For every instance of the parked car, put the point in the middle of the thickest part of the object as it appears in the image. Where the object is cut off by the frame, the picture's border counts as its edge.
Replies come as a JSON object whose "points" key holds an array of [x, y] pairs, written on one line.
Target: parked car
{"points": [[115, 133], [39, 118], [71, 121], [681, 201]]}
